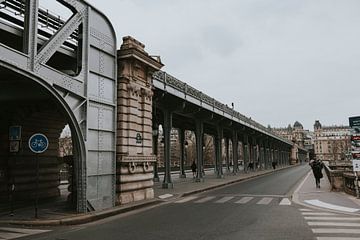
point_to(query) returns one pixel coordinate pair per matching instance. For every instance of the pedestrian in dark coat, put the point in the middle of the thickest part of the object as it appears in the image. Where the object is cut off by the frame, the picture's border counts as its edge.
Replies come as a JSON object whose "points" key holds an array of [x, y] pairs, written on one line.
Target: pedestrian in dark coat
{"points": [[317, 167], [193, 168]]}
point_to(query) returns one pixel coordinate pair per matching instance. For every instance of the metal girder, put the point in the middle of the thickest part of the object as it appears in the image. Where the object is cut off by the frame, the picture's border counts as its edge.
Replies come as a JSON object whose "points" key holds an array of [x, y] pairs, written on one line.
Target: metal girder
{"points": [[88, 98]]}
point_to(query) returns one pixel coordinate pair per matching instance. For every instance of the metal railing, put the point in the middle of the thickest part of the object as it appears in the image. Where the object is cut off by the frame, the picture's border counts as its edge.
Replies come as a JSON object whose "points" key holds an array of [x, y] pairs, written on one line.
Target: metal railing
{"points": [[48, 22], [169, 80]]}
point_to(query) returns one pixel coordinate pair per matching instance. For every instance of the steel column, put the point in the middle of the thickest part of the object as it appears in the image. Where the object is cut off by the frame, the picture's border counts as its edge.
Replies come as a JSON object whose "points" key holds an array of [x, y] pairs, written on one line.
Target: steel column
{"points": [[218, 151], [199, 133], [235, 151], [227, 155], [155, 151], [167, 152], [182, 152]]}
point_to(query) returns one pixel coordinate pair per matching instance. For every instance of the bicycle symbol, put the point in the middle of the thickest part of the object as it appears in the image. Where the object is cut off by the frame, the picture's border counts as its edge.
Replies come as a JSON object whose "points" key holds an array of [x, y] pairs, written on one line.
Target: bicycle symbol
{"points": [[38, 143]]}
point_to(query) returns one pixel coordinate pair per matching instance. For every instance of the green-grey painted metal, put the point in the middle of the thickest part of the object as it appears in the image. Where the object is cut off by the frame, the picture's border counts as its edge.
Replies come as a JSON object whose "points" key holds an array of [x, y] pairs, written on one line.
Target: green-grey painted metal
{"points": [[89, 98]]}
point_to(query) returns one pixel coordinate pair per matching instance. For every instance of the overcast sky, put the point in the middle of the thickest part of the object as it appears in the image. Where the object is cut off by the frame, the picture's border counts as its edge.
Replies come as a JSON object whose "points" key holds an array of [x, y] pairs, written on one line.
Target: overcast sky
{"points": [[278, 61]]}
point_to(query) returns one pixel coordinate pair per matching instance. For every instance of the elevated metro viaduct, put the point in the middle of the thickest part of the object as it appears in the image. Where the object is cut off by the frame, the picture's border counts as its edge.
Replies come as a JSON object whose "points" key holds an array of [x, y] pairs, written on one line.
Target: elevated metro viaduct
{"points": [[56, 72]]}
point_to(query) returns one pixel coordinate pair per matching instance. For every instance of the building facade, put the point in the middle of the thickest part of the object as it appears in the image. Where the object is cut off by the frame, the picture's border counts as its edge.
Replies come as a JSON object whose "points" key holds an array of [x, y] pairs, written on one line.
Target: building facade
{"points": [[331, 142], [295, 134]]}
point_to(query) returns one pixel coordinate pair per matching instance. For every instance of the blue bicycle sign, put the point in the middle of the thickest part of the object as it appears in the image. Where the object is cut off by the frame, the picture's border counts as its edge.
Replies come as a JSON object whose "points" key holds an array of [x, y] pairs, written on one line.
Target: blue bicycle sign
{"points": [[38, 143]]}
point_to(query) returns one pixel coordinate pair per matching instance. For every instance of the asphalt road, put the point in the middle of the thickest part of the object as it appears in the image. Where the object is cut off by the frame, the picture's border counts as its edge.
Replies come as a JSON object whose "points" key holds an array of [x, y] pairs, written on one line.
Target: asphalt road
{"points": [[247, 210]]}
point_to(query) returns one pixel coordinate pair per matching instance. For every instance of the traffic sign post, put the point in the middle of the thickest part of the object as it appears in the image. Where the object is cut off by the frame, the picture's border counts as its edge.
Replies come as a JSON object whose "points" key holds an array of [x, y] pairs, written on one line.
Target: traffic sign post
{"points": [[354, 123], [38, 143]]}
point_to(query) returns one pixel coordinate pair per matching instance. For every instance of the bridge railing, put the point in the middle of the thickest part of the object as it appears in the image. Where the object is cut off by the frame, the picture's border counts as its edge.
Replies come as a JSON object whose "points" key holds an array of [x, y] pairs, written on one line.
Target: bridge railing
{"points": [[169, 80], [48, 22]]}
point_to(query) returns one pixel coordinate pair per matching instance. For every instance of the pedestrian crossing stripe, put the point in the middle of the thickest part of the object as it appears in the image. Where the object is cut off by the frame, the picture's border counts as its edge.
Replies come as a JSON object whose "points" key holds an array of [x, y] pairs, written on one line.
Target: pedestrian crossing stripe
{"points": [[187, 199], [333, 218], [332, 226], [231, 199], [336, 230], [264, 201], [203, 200], [12, 233], [224, 199], [245, 200]]}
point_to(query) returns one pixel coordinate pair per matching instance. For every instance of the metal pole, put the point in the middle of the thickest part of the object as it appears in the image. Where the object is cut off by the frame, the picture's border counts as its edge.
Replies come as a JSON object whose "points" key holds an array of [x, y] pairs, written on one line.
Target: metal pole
{"points": [[356, 184], [37, 186]]}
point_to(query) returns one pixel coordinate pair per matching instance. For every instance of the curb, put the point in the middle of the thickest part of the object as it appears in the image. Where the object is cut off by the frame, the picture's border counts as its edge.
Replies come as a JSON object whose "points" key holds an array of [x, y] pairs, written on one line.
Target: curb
{"points": [[83, 218]]}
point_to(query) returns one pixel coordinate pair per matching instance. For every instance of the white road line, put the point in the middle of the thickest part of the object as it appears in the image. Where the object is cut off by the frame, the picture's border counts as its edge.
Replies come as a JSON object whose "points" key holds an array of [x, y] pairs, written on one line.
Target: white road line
{"points": [[318, 214], [332, 224], [305, 210], [11, 235], [338, 238], [333, 218], [23, 230], [205, 199], [336, 230], [187, 199], [244, 200], [319, 203], [285, 201], [265, 201], [224, 199]]}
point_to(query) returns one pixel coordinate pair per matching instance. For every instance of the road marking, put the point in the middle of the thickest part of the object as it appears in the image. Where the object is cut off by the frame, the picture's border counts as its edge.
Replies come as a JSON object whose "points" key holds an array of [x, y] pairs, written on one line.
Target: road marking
{"points": [[264, 201], [23, 230], [305, 210], [318, 214], [338, 238], [319, 203], [187, 199], [244, 200], [12, 233], [165, 196], [338, 224], [334, 218], [224, 199], [205, 199], [285, 201], [336, 230]]}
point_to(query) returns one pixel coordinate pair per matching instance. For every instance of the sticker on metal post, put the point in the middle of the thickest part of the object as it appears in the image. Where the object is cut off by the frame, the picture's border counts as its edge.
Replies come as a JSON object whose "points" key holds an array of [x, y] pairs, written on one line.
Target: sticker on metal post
{"points": [[38, 143], [356, 165]]}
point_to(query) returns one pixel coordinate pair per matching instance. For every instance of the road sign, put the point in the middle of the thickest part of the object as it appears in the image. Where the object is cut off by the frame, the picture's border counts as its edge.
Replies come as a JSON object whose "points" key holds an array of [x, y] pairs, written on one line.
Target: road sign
{"points": [[15, 133], [38, 143]]}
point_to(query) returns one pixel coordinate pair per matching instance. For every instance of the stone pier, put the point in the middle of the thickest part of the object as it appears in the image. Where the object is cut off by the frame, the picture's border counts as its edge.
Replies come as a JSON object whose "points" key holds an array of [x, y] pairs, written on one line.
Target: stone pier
{"points": [[135, 158]]}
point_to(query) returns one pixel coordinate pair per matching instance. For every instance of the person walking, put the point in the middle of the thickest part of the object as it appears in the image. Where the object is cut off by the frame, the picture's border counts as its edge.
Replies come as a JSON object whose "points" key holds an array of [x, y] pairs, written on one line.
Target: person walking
{"points": [[317, 167], [193, 169]]}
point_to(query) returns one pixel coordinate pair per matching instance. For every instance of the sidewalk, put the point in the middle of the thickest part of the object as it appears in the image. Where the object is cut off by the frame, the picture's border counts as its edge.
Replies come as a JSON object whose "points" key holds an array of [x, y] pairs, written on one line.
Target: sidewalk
{"points": [[50, 216], [322, 198]]}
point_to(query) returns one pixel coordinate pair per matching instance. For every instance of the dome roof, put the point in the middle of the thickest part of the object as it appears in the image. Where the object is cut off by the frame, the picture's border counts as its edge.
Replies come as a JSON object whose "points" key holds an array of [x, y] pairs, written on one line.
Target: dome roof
{"points": [[298, 125]]}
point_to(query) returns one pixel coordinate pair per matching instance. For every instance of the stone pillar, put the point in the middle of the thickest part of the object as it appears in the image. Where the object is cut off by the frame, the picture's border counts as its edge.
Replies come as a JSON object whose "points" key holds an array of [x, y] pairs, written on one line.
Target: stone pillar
{"points": [[182, 152], [134, 153]]}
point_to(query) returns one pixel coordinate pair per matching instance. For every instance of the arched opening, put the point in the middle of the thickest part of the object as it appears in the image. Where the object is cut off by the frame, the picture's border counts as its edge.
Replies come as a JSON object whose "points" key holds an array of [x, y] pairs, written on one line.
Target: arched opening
{"points": [[26, 108]]}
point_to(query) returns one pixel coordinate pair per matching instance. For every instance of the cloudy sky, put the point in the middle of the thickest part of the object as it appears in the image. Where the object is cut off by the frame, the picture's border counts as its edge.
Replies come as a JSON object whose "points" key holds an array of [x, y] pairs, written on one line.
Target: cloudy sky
{"points": [[278, 61]]}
